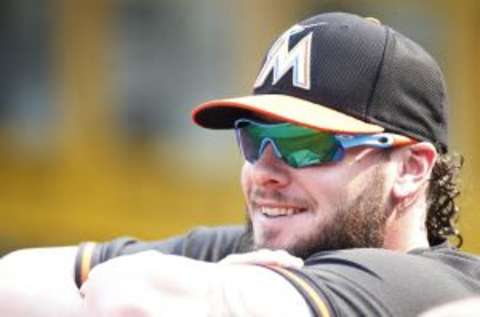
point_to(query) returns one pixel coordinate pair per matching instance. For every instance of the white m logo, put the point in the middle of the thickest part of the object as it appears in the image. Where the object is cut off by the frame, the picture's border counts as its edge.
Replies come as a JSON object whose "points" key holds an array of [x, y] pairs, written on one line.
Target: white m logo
{"points": [[280, 60]]}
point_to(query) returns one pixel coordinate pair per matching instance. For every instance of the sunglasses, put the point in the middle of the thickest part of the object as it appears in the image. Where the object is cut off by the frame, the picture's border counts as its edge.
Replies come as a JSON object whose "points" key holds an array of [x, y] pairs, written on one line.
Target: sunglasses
{"points": [[301, 146]]}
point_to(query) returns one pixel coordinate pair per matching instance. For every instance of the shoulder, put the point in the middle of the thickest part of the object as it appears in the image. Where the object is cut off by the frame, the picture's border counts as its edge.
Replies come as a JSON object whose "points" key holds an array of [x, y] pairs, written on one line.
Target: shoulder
{"points": [[383, 282], [447, 262], [213, 244], [201, 243], [222, 232]]}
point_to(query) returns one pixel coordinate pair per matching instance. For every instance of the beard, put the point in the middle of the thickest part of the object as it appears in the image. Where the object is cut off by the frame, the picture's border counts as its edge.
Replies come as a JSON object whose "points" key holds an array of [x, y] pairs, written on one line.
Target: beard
{"points": [[360, 224]]}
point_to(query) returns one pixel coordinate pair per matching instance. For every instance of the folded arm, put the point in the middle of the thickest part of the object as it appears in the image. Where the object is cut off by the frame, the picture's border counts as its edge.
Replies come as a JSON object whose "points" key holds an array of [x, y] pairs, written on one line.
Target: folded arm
{"points": [[153, 284], [39, 282]]}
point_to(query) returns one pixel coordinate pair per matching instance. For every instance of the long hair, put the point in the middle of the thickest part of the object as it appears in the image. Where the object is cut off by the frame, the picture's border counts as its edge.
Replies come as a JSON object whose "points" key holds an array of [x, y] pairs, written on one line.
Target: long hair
{"points": [[442, 212]]}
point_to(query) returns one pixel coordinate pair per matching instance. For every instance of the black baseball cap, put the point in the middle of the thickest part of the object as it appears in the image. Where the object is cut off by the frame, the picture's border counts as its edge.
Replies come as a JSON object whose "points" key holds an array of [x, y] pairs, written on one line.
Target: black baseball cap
{"points": [[343, 73]]}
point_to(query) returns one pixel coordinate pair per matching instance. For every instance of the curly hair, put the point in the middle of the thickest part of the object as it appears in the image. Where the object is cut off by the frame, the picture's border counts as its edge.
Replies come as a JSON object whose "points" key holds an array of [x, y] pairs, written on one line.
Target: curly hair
{"points": [[442, 213]]}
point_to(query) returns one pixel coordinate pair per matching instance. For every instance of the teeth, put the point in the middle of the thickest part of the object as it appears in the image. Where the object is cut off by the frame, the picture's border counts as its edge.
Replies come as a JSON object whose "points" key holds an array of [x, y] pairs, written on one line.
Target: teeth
{"points": [[275, 212]]}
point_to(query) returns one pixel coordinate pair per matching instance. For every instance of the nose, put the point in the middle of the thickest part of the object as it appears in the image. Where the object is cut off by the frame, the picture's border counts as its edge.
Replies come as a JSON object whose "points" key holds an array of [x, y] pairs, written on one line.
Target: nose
{"points": [[269, 170]]}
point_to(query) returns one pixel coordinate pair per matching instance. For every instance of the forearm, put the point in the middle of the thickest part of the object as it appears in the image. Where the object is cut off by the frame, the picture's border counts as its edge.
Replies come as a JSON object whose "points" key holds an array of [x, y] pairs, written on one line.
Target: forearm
{"points": [[153, 284], [39, 282], [248, 290]]}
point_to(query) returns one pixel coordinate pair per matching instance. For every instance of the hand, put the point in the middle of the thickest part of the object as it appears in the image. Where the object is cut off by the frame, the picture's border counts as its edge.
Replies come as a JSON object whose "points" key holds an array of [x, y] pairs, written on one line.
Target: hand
{"points": [[265, 257]]}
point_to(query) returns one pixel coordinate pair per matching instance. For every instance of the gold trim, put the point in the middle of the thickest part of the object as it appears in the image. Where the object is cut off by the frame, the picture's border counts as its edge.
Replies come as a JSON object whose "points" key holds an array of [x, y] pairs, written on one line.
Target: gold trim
{"points": [[319, 303], [86, 261]]}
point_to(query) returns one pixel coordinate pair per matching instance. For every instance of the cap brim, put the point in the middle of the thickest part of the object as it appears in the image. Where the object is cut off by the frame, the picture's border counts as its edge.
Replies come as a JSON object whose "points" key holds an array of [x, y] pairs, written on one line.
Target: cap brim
{"points": [[222, 114]]}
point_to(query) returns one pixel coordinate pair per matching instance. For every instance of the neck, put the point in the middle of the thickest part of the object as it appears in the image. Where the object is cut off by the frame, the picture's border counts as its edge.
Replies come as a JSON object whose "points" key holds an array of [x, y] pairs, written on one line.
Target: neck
{"points": [[405, 229]]}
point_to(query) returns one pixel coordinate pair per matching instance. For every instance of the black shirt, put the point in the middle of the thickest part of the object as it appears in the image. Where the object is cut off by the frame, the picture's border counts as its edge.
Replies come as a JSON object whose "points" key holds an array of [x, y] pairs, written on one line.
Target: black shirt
{"points": [[354, 282]]}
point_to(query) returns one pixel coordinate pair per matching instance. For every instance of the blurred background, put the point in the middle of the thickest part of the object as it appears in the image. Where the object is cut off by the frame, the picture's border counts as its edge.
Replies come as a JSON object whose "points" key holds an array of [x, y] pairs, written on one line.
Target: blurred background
{"points": [[96, 139]]}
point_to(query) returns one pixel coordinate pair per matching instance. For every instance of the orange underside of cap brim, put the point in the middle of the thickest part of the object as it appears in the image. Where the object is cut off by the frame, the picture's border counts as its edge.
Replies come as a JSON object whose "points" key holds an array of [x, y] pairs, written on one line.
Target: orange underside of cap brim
{"points": [[222, 113]]}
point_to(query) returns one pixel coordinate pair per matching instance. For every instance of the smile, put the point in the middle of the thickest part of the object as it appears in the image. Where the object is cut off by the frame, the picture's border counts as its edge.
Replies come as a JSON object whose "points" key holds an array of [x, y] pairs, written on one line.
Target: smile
{"points": [[272, 212]]}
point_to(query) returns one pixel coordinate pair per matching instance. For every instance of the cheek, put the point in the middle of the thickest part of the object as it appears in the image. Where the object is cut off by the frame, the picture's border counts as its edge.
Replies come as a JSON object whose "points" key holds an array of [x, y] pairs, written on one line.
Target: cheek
{"points": [[327, 188], [321, 179], [245, 179]]}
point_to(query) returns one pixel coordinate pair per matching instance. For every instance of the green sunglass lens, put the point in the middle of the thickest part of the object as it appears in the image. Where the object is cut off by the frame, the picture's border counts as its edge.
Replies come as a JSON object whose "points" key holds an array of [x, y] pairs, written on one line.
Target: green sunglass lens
{"points": [[298, 146], [308, 150]]}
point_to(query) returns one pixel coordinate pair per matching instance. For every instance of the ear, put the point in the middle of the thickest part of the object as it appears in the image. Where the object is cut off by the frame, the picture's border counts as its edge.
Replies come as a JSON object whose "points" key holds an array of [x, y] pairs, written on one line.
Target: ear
{"points": [[415, 164]]}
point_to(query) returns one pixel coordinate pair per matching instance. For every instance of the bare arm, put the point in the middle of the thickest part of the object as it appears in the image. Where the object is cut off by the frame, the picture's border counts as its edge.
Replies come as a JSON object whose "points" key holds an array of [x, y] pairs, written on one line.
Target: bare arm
{"points": [[468, 307], [39, 282], [248, 290], [152, 284]]}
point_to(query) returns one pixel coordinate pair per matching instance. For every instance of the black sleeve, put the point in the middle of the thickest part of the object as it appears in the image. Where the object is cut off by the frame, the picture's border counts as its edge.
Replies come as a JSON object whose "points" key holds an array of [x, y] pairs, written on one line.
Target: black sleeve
{"points": [[368, 282], [205, 244]]}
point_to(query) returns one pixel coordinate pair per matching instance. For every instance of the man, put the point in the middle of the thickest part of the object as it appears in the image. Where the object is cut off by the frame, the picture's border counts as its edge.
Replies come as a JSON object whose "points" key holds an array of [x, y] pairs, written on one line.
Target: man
{"points": [[346, 168]]}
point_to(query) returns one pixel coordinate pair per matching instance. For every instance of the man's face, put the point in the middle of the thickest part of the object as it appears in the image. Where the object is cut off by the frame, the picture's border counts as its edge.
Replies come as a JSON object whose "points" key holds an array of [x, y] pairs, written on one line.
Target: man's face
{"points": [[333, 206]]}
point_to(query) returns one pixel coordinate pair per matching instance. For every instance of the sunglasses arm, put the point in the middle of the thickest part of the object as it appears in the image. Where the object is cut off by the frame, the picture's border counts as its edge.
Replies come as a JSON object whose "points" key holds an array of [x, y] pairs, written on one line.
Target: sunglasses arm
{"points": [[383, 140]]}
